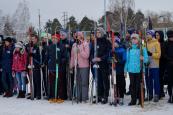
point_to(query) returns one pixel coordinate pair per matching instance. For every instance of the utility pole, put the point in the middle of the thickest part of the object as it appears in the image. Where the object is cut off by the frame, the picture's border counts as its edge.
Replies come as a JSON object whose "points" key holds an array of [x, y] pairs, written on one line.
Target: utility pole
{"points": [[105, 25], [39, 24], [65, 19]]}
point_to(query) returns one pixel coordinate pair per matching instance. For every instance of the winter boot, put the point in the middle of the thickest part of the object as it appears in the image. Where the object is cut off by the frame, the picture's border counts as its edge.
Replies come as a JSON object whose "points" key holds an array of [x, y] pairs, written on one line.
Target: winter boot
{"points": [[5, 94], [9, 94], [121, 102], [19, 94], [23, 94], [156, 98], [104, 100]]}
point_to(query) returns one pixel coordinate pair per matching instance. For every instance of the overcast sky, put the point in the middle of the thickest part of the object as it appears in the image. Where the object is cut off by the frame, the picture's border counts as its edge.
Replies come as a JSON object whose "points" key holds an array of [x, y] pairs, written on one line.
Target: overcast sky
{"points": [[79, 8]]}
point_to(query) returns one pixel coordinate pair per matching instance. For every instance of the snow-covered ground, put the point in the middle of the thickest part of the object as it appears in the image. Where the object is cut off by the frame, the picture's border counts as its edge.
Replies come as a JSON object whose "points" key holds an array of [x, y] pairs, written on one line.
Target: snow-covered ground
{"points": [[14, 106]]}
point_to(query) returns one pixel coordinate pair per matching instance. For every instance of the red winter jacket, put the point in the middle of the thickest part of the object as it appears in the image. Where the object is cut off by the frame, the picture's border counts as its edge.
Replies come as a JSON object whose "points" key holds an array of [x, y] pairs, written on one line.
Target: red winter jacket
{"points": [[19, 61]]}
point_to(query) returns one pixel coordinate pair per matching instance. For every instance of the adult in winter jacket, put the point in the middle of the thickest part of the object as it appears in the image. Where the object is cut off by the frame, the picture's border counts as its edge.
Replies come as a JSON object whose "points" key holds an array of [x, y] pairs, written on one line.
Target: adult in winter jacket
{"points": [[133, 66], [169, 60], [19, 68], [103, 47], [1, 49], [6, 64], [154, 53], [80, 56], [54, 49], [35, 54], [159, 35]]}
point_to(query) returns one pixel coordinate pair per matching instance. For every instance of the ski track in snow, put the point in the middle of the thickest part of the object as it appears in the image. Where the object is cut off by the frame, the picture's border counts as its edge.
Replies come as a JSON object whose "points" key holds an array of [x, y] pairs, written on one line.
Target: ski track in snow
{"points": [[14, 106]]}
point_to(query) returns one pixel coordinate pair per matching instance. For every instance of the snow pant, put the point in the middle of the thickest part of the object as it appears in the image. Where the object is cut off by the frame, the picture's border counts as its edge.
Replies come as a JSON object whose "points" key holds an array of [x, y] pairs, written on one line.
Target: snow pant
{"points": [[153, 81], [170, 79], [147, 82], [45, 79], [7, 81], [82, 84], [37, 83], [21, 81], [103, 82], [162, 70], [1, 86], [52, 76], [62, 90], [120, 85], [135, 86], [62, 83]]}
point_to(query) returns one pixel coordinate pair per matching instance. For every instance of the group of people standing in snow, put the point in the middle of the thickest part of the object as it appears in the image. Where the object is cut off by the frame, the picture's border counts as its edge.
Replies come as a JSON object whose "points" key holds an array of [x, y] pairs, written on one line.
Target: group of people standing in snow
{"points": [[136, 56]]}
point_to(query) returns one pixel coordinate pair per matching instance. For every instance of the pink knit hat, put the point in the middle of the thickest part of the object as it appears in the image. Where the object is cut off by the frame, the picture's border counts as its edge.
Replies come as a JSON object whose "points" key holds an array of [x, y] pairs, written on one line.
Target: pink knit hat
{"points": [[80, 34]]}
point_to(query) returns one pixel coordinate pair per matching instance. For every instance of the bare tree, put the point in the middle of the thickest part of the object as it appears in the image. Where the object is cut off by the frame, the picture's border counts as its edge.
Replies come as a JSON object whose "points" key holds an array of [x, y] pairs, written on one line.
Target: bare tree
{"points": [[121, 8], [8, 29], [20, 20]]}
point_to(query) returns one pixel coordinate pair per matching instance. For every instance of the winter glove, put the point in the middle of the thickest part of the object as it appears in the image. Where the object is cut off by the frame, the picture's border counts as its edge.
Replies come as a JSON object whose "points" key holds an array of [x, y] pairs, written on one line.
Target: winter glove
{"points": [[96, 60], [13, 73], [149, 53], [30, 67]]}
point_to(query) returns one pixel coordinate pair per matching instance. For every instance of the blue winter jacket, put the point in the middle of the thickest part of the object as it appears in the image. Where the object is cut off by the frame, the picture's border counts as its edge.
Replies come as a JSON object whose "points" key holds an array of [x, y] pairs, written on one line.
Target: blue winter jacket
{"points": [[121, 59], [133, 59], [7, 58]]}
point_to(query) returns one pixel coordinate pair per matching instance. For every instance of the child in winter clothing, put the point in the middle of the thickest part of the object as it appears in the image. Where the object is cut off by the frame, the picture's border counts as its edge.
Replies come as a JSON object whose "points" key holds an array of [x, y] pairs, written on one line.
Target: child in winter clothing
{"points": [[154, 53], [6, 62], [80, 53], [19, 68], [133, 66], [120, 53]]}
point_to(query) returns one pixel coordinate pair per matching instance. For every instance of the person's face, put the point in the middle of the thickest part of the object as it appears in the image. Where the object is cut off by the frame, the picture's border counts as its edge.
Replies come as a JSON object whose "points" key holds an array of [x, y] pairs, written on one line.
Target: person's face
{"points": [[17, 49], [80, 38], [34, 40], [44, 40], [62, 37], [149, 37], [135, 41], [54, 40], [7, 43], [157, 36], [98, 34]]}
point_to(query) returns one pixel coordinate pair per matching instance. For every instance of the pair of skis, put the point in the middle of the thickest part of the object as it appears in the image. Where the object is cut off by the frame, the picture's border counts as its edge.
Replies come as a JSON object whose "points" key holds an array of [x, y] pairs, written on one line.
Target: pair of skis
{"points": [[113, 98]]}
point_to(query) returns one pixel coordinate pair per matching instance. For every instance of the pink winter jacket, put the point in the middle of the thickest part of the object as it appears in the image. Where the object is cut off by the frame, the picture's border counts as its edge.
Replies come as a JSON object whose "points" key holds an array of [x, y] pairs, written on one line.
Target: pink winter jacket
{"points": [[19, 61], [83, 55]]}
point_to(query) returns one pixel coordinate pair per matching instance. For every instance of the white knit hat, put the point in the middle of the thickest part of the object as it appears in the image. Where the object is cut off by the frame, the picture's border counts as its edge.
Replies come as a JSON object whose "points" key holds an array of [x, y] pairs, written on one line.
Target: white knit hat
{"points": [[18, 45]]}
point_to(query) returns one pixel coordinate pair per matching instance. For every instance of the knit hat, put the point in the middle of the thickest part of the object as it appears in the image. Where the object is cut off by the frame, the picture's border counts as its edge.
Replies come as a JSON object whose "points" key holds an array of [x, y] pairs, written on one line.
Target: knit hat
{"points": [[170, 33], [135, 36], [57, 36], [9, 39], [18, 45], [63, 33], [102, 31], [151, 32]]}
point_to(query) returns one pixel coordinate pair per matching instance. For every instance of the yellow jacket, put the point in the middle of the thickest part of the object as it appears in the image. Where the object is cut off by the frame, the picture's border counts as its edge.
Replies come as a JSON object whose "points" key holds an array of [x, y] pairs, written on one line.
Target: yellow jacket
{"points": [[153, 46]]}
